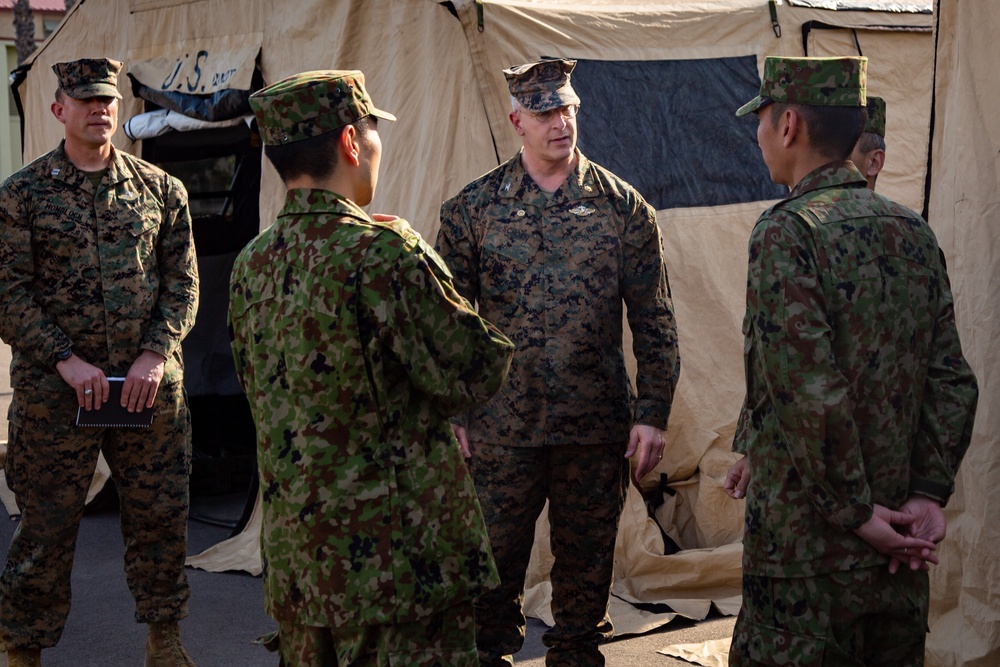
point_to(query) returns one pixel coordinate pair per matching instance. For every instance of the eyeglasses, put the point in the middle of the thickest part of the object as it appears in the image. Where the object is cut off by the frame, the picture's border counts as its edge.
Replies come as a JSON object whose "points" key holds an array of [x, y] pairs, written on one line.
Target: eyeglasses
{"points": [[567, 112]]}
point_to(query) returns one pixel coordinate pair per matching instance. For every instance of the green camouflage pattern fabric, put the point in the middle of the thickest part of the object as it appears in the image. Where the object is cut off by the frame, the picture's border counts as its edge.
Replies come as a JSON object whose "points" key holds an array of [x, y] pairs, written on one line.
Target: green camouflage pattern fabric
{"points": [[552, 272], [857, 389], [585, 487], [542, 85], [49, 467], [354, 349], [310, 104], [857, 617], [828, 82], [876, 116], [444, 639], [89, 77], [109, 270]]}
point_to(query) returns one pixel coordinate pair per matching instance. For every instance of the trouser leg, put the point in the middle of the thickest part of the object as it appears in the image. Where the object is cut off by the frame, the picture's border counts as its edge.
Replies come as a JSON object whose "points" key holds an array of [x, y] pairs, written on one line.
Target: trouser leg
{"points": [[49, 467], [151, 468], [511, 485], [445, 638], [858, 618], [587, 486]]}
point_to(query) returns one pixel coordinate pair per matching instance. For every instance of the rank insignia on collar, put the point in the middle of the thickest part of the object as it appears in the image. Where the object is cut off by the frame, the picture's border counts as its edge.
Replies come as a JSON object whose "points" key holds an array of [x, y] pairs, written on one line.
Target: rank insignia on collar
{"points": [[55, 172], [506, 187], [129, 195], [582, 210]]}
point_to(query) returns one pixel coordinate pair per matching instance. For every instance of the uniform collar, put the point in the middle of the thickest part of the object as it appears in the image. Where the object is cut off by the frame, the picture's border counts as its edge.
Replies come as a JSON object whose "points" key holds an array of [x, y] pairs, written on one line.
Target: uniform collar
{"points": [[61, 169], [841, 173], [580, 184], [300, 201]]}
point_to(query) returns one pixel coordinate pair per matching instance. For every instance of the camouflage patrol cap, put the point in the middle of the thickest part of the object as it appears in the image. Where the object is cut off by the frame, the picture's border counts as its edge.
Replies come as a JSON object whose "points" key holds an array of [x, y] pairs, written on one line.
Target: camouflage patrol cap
{"points": [[542, 85], [876, 116], [89, 77], [310, 104], [825, 82]]}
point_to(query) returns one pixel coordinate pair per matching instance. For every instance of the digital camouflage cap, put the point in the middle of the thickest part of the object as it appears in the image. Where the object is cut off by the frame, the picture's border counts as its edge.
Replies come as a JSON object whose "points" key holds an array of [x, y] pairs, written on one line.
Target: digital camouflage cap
{"points": [[876, 116], [826, 82], [310, 104], [542, 85], [89, 77]]}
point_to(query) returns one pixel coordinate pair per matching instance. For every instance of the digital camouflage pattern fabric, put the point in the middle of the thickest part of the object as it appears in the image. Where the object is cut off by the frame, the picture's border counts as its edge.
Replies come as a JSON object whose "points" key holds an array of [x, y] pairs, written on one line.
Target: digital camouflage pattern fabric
{"points": [[354, 349], [812, 81], [876, 116], [552, 272], [110, 270], [857, 389], [151, 468], [588, 485], [310, 104], [542, 85], [89, 77]]}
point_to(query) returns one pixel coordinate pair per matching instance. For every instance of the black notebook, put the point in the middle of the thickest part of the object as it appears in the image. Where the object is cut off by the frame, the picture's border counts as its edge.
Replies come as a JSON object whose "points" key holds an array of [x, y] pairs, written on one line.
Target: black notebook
{"points": [[111, 413]]}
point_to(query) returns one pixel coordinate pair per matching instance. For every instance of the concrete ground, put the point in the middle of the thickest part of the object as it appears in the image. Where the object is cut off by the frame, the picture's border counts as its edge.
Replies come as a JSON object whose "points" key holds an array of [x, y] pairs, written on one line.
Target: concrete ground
{"points": [[226, 610]]}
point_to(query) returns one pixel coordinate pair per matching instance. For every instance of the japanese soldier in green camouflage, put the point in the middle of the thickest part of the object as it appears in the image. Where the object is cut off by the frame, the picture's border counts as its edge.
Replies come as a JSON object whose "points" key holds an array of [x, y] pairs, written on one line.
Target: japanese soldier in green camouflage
{"points": [[859, 405], [97, 279], [355, 349], [869, 157], [550, 245]]}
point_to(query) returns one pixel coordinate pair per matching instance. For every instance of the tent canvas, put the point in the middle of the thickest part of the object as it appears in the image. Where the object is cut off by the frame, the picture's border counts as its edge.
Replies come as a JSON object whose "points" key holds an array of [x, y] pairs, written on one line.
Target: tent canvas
{"points": [[437, 66]]}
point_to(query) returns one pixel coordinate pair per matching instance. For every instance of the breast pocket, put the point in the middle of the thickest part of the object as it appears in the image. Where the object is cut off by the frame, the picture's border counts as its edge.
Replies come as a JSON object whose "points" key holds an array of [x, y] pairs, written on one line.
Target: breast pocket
{"points": [[509, 266], [131, 227]]}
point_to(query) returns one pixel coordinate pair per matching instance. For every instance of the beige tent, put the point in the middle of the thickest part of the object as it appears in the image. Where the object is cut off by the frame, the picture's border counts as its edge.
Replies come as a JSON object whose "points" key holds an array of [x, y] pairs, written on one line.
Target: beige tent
{"points": [[437, 66]]}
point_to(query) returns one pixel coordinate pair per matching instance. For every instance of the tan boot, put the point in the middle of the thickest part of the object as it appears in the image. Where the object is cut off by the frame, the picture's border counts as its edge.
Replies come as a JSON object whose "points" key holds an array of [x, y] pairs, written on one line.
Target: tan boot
{"points": [[163, 647], [24, 657]]}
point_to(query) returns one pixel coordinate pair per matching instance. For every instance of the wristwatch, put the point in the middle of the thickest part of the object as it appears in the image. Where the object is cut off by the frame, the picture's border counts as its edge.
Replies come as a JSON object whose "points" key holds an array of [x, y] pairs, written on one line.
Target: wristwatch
{"points": [[61, 355]]}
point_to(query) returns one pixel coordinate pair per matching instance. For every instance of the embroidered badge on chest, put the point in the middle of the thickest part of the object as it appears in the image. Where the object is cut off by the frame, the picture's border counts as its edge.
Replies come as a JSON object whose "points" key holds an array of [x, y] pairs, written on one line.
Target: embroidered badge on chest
{"points": [[582, 210], [129, 196]]}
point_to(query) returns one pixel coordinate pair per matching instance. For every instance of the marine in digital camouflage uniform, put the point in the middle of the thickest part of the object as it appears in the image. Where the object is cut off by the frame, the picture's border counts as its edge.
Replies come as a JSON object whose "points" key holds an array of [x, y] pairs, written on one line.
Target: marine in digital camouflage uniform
{"points": [[98, 279], [869, 153], [859, 403], [549, 246], [354, 349]]}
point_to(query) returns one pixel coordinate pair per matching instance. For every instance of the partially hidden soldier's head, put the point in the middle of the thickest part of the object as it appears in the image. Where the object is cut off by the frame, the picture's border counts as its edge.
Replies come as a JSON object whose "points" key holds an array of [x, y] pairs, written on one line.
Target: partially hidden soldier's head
{"points": [[544, 107], [302, 118], [829, 94], [876, 116], [88, 77], [869, 153]]}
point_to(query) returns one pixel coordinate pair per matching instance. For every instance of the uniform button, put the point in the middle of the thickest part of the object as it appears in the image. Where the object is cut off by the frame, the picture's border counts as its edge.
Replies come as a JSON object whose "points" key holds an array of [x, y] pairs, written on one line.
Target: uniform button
{"points": [[520, 213]]}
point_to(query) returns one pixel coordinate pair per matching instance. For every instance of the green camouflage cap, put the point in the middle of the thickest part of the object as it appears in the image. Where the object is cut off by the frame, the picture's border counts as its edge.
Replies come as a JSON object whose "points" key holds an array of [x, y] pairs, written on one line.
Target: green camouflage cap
{"points": [[542, 85], [310, 104], [876, 116], [89, 77], [825, 82]]}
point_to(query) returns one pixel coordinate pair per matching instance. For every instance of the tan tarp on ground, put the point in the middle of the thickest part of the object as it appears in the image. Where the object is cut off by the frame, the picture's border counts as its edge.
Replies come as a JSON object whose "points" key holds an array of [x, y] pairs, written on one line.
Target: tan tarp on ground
{"points": [[442, 78]]}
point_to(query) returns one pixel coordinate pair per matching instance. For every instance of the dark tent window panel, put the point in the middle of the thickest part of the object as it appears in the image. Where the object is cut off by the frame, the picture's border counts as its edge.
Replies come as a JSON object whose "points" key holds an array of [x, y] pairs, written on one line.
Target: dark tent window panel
{"points": [[669, 128]]}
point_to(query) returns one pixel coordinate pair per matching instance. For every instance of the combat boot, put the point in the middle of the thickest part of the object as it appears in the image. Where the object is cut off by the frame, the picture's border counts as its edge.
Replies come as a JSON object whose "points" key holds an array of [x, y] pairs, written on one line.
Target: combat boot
{"points": [[163, 646], [24, 657]]}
